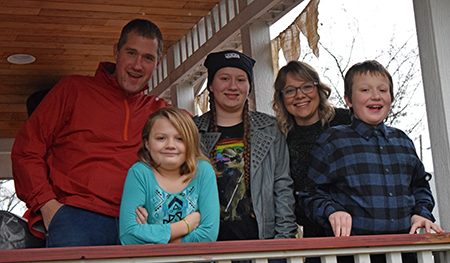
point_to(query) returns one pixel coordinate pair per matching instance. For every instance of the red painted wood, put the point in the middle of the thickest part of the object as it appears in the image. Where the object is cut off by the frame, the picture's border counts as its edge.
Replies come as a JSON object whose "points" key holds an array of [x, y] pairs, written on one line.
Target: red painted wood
{"points": [[222, 247]]}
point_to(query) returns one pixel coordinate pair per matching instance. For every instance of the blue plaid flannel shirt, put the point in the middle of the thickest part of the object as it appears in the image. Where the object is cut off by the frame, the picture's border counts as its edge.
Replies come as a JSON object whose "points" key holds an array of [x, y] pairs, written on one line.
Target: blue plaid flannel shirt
{"points": [[374, 174]]}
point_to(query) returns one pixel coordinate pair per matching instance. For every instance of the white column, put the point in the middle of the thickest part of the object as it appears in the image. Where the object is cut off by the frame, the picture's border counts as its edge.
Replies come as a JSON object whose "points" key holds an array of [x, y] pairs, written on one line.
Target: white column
{"points": [[433, 32], [256, 43], [183, 97]]}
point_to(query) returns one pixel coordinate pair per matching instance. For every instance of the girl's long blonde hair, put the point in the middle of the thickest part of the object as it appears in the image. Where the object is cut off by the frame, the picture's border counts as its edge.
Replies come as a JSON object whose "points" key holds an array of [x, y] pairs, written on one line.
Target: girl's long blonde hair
{"points": [[184, 124]]}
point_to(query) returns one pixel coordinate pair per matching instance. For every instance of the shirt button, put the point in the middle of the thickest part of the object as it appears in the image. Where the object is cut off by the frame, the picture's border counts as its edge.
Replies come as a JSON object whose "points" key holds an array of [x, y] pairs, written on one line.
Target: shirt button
{"points": [[381, 147], [387, 170], [392, 220], [390, 194]]}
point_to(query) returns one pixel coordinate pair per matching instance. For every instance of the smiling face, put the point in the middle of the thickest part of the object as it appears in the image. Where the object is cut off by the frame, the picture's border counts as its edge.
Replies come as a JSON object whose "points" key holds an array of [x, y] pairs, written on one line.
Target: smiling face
{"points": [[303, 107], [136, 62], [230, 87], [166, 146], [371, 99]]}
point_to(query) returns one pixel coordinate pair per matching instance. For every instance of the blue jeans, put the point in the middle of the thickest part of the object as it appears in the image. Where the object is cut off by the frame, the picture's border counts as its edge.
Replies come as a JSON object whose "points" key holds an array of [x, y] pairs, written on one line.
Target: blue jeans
{"points": [[72, 226]]}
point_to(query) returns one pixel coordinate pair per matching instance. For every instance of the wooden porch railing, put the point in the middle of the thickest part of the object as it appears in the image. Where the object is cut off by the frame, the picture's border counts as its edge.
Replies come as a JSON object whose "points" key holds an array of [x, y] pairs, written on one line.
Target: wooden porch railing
{"points": [[429, 247]]}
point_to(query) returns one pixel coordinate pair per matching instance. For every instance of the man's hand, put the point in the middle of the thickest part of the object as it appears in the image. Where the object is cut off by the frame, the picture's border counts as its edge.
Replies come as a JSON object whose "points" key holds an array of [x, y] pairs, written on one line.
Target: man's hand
{"points": [[421, 222], [142, 215], [49, 210], [341, 222]]}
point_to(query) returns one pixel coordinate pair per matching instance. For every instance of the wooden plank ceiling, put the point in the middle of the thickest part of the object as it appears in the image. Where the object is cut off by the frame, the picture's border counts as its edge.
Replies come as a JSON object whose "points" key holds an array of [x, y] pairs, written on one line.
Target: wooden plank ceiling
{"points": [[72, 37]]}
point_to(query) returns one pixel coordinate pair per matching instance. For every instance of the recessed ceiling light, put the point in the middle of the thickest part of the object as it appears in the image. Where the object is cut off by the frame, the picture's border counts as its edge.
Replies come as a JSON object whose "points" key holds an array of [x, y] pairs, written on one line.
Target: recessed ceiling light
{"points": [[21, 59]]}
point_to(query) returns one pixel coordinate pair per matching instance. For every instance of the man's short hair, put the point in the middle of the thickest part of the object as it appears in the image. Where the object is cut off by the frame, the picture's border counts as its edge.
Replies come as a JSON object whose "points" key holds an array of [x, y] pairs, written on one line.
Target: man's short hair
{"points": [[369, 66], [144, 28]]}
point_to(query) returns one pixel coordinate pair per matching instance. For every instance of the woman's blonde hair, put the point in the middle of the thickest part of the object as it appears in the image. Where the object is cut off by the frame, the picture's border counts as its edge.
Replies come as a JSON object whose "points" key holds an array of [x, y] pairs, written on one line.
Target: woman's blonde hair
{"points": [[184, 124], [301, 71]]}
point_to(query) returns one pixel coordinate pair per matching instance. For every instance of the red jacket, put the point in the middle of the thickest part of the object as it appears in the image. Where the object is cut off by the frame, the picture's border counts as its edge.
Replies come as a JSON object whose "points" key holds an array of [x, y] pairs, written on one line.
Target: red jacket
{"points": [[79, 143]]}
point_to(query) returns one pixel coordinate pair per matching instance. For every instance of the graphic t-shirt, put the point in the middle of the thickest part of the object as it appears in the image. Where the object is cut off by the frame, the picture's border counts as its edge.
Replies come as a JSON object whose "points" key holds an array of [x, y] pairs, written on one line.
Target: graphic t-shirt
{"points": [[172, 207], [237, 220]]}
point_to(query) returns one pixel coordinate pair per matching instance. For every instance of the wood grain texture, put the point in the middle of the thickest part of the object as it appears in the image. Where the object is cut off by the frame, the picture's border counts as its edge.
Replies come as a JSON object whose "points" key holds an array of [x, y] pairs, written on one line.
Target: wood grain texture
{"points": [[71, 37]]}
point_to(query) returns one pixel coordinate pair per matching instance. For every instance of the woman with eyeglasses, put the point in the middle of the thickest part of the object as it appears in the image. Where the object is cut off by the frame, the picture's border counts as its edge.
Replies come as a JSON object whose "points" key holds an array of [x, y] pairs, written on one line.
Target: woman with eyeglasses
{"points": [[301, 105]]}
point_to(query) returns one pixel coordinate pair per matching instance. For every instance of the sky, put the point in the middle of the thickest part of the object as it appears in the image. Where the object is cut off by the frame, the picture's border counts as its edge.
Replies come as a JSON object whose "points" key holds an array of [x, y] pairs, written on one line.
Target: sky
{"points": [[377, 21]]}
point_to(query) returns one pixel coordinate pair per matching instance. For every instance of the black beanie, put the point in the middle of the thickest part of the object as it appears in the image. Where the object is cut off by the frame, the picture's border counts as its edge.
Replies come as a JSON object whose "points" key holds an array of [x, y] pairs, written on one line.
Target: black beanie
{"points": [[229, 58]]}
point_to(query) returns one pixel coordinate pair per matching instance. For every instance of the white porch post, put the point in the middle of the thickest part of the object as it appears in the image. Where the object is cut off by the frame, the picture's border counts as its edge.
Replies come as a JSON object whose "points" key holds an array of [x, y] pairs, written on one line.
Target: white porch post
{"points": [[183, 93], [256, 43], [433, 32]]}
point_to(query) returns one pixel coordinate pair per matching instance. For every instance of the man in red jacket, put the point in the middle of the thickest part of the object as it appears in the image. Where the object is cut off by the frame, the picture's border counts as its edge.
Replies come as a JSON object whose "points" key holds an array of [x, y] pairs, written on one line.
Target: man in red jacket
{"points": [[71, 158]]}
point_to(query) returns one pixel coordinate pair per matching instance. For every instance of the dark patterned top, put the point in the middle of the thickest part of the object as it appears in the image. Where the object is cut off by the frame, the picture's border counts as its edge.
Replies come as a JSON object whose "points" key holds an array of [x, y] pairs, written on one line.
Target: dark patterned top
{"points": [[372, 173], [300, 142]]}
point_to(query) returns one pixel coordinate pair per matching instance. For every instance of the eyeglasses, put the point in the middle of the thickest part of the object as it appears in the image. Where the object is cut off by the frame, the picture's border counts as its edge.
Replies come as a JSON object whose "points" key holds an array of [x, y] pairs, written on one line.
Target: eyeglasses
{"points": [[306, 88]]}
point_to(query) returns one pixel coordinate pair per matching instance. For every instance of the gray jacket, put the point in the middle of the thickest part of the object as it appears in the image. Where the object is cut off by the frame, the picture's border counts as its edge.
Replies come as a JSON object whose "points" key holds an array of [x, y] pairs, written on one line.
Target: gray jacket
{"points": [[271, 184]]}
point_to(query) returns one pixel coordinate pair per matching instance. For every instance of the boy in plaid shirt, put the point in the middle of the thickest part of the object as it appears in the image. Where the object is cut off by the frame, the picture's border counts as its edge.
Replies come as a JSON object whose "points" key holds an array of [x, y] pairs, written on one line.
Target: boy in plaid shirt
{"points": [[366, 178]]}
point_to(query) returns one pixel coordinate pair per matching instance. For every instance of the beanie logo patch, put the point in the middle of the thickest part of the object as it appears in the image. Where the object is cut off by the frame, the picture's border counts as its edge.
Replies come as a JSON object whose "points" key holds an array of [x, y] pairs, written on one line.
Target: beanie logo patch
{"points": [[232, 55]]}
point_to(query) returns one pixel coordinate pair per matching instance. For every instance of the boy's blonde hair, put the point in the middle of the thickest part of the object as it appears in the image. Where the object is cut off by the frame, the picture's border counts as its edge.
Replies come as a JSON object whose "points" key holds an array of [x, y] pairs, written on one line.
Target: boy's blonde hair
{"points": [[184, 124], [369, 66]]}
